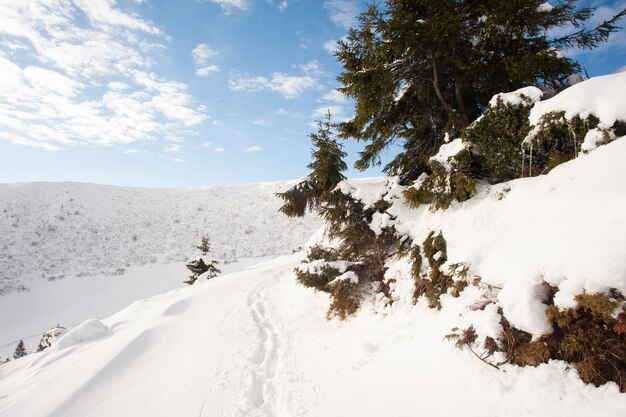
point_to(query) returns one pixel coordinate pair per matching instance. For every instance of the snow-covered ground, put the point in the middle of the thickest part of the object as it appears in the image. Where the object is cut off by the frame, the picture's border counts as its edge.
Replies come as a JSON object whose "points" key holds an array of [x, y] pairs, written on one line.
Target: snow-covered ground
{"points": [[53, 230], [253, 343], [71, 251]]}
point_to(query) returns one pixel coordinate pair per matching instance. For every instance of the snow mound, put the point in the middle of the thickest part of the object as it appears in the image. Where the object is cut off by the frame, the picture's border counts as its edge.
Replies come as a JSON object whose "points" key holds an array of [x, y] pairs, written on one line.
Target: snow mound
{"points": [[603, 97], [88, 331], [525, 96]]}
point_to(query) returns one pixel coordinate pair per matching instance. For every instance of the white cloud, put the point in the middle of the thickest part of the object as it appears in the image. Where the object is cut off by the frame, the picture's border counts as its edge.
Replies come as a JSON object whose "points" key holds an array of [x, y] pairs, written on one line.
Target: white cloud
{"points": [[229, 5], [261, 122], [330, 46], [288, 86], [253, 148], [87, 78], [202, 55], [172, 148], [206, 144], [312, 68], [281, 112], [219, 149], [179, 160], [218, 123], [131, 151], [208, 70], [334, 96], [342, 12], [282, 6], [322, 111]]}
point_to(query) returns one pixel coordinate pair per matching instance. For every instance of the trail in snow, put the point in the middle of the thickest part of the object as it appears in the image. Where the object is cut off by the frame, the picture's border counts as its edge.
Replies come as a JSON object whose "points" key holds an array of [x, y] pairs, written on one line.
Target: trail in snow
{"points": [[254, 344]]}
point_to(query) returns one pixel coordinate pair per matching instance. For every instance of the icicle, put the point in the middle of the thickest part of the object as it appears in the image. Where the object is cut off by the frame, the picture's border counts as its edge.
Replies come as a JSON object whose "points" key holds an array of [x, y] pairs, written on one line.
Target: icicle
{"points": [[523, 157], [530, 165]]}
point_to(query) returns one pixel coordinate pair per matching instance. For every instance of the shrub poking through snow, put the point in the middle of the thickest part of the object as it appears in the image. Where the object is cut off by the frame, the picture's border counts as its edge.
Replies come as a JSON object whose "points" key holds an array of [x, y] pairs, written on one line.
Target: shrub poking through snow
{"points": [[202, 265], [436, 282], [358, 257], [557, 139], [450, 179], [496, 137], [50, 337], [589, 336]]}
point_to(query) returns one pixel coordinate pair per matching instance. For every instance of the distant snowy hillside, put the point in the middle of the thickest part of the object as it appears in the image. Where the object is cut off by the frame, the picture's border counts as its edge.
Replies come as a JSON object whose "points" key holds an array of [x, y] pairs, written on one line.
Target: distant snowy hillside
{"points": [[52, 230]]}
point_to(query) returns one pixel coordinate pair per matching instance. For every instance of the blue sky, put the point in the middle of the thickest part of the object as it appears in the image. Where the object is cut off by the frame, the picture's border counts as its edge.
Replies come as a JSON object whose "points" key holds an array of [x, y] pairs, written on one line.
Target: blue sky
{"points": [[178, 93]]}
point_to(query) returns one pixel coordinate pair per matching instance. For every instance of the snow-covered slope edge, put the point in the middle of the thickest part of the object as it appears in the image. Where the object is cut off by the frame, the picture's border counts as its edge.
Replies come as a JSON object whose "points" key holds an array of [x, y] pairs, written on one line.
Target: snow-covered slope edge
{"points": [[54, 230], [255, 344]]}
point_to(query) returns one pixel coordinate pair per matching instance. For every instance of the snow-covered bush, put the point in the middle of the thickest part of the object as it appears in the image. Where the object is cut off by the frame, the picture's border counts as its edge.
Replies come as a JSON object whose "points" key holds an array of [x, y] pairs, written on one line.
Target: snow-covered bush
{"points": [[355, 263], [450, 178], [496, 137], [202, 265], [50, 337]]}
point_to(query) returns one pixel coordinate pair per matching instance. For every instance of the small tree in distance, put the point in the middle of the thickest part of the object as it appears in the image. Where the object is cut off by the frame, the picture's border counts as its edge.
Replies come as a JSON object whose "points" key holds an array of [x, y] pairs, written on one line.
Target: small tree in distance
{"points": [[202, 264], [20, 350], [326, 173]]}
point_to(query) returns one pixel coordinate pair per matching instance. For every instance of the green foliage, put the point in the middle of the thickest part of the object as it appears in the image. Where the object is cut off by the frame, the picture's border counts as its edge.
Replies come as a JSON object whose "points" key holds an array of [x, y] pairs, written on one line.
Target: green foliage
{"points": [[344, 300], [326, 172], [348, 221], [497, 138], [20, 350], [200, 265], [443, 186], [556, 140], [437, 282], [419, 70]]}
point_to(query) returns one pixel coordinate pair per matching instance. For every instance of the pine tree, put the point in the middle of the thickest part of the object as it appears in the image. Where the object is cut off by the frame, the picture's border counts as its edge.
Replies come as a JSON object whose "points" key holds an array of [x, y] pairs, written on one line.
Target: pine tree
{"points": [[421, 70], [326, 172], [20, 350], [201, 265]]}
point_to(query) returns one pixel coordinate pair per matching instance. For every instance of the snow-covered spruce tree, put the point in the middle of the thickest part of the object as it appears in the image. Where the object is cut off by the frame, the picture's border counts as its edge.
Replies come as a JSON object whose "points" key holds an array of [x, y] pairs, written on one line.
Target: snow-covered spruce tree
{"points": [[202, 265], [326, 172], [420, 71], [20, 350]]}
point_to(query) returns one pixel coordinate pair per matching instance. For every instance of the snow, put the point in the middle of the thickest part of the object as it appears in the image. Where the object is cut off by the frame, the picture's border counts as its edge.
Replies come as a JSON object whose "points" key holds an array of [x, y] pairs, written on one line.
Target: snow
{"points": [[56, 230], [115, 245], [545, 7], [566, 228], [349, 276], [447, 151], [253, 343], [525, 96], [603, 97]]}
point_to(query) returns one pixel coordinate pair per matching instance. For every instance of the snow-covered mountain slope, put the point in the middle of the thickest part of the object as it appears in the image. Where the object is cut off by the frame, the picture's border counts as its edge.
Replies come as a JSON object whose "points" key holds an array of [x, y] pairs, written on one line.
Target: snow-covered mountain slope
{"points": [[254, 344], [54, 230], [72, 251]]}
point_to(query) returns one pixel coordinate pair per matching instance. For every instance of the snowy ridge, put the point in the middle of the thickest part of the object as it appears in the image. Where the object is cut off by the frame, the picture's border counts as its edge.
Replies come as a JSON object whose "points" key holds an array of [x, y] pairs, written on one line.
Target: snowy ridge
{"points": [[51, 230]]}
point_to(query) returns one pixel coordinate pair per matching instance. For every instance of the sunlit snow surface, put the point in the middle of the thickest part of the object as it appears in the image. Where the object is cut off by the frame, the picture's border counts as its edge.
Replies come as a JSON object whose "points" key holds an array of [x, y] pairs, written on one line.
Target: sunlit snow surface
{"points": [[253, 343]]}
